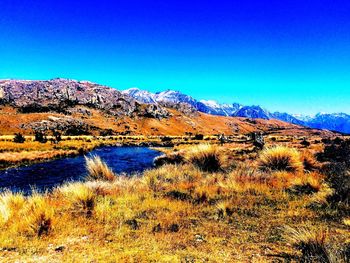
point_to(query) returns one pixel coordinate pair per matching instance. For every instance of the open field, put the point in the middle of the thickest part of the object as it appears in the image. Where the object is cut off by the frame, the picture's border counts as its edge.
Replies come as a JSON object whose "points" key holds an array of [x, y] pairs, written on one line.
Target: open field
{"points": [[206, 203], [31, 151]]}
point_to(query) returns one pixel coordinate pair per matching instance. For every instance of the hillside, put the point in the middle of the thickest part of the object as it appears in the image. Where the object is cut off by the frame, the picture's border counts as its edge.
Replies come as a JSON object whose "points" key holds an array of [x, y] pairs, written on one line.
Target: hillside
{"points": [[76, 108]]}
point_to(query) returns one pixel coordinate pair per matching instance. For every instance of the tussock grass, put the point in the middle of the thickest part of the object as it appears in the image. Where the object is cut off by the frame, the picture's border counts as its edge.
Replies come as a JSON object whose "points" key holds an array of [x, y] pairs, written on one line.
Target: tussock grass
{"points": [[38, 216], [10, 204], [280, 158], [315, 245], [179, 213], [206, 157], [309, 161], [81, 198], [312, 243], [98, 169]]}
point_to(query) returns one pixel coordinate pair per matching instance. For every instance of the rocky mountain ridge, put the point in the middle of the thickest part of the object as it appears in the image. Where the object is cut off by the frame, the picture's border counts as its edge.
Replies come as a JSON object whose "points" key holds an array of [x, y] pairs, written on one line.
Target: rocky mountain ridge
{"points": [[60, 95], [336, 122]]}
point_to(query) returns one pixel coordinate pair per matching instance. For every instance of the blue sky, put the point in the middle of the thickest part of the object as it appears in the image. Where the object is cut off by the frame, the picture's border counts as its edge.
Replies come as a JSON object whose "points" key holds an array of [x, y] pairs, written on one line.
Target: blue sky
{"points": [[286, 55]]}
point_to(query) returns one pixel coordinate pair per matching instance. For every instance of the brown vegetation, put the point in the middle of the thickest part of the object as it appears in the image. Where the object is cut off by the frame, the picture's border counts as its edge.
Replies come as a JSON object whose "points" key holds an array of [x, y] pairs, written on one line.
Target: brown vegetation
{"points": [[183, 212]]}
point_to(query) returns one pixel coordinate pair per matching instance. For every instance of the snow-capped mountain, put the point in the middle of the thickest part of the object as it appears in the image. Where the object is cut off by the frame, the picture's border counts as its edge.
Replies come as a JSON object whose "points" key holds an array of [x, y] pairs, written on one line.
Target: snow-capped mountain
{"points": [[142, 96], [210, 107], [282, 116], [336, 121], [253, 112], [215, 108]]}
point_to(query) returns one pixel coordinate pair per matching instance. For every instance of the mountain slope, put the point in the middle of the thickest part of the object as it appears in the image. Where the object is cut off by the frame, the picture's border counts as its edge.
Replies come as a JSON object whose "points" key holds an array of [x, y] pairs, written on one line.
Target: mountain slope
{"points": [[80, 107], [253, 112], [71, 98], [333, 122], [61, 95], [337, 121]]}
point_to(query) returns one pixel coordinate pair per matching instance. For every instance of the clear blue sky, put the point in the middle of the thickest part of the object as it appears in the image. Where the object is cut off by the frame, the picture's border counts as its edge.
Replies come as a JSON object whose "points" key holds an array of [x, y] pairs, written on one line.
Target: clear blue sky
{"points": [[290, 55]]}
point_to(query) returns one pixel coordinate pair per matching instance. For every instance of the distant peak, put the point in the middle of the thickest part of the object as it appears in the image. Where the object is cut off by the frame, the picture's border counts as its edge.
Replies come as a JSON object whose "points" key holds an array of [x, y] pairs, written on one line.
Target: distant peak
{"points": [[133, 89]]}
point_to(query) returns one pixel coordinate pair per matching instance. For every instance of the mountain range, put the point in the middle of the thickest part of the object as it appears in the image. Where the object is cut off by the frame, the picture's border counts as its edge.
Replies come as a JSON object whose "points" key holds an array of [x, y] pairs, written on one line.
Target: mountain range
{"points": [[339, 122], [84, 108], [27, 105]]}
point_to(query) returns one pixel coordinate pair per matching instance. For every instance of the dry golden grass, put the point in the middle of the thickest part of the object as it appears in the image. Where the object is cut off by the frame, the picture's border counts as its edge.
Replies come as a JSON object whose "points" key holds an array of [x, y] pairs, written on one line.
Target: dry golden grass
{"points": [[37, 216], [311, 242], [10, 203], [280, 158], [206, 157], [176, 213], [98, 169]]}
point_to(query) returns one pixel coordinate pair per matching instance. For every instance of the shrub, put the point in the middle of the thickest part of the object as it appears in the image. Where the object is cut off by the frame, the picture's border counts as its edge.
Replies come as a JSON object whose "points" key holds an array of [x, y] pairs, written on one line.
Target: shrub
{"points": [[81, 197], [166, 139], [198, 137], [336, 152], [19, 138], [206, 157], [309, 161], [305, 143], [280, 158], [98, 169], [173, 158], [57, 136], [40, 137], [38, 216], [338, 178], [312, 244], [10, 203]]}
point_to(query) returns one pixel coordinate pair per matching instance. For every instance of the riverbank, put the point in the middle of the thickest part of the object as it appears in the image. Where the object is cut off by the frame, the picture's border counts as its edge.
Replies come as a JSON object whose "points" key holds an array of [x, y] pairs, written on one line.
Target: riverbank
{"points": [[277, 205], [29, 152]]}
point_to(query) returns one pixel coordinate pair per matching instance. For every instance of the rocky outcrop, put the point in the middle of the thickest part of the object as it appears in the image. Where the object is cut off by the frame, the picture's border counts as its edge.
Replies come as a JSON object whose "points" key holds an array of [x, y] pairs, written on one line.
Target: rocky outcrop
{"points": [[60, 95]]}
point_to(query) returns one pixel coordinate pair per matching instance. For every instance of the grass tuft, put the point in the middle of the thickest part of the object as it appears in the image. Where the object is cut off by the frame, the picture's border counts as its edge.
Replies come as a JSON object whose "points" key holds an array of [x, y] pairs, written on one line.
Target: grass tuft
{"points": [[38, 216], [311, 243], [81, 198], [280, 158], [206, 157], [10, 204], [98, 169]]}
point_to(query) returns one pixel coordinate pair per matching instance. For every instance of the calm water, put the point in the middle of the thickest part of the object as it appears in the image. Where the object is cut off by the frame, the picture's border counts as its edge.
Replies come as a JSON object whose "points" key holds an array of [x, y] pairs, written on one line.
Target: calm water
{"points": [[47, 175]]}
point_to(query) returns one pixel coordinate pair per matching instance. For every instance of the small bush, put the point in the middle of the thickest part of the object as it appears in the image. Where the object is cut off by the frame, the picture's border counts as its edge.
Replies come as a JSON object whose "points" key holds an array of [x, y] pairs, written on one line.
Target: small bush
{"points": [[19, 138], [280, 158], [38, 216], [309, 161], [40, 137], [10, 203], [98, 169], [206, 157], [198, 137], [81, 198], [173, 158], [338, 178], [305, 143], [312, 244]]}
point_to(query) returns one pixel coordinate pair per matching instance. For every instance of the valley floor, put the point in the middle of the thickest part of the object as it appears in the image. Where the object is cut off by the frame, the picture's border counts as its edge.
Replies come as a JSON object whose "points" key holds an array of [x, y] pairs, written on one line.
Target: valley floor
{"points": [[205, 203]]}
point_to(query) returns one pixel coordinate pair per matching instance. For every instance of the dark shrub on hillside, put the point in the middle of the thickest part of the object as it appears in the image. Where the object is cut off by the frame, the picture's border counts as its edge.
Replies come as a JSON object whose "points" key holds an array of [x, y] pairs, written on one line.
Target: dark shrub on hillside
{"points": [[326, 141], [198, 137], [40, 137], [337, 140], [166, 139], [19, 138], [338, 178], [57, 136], [305, 143], [336, 152], [173, 158], [107, 132], [77, 130]]}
